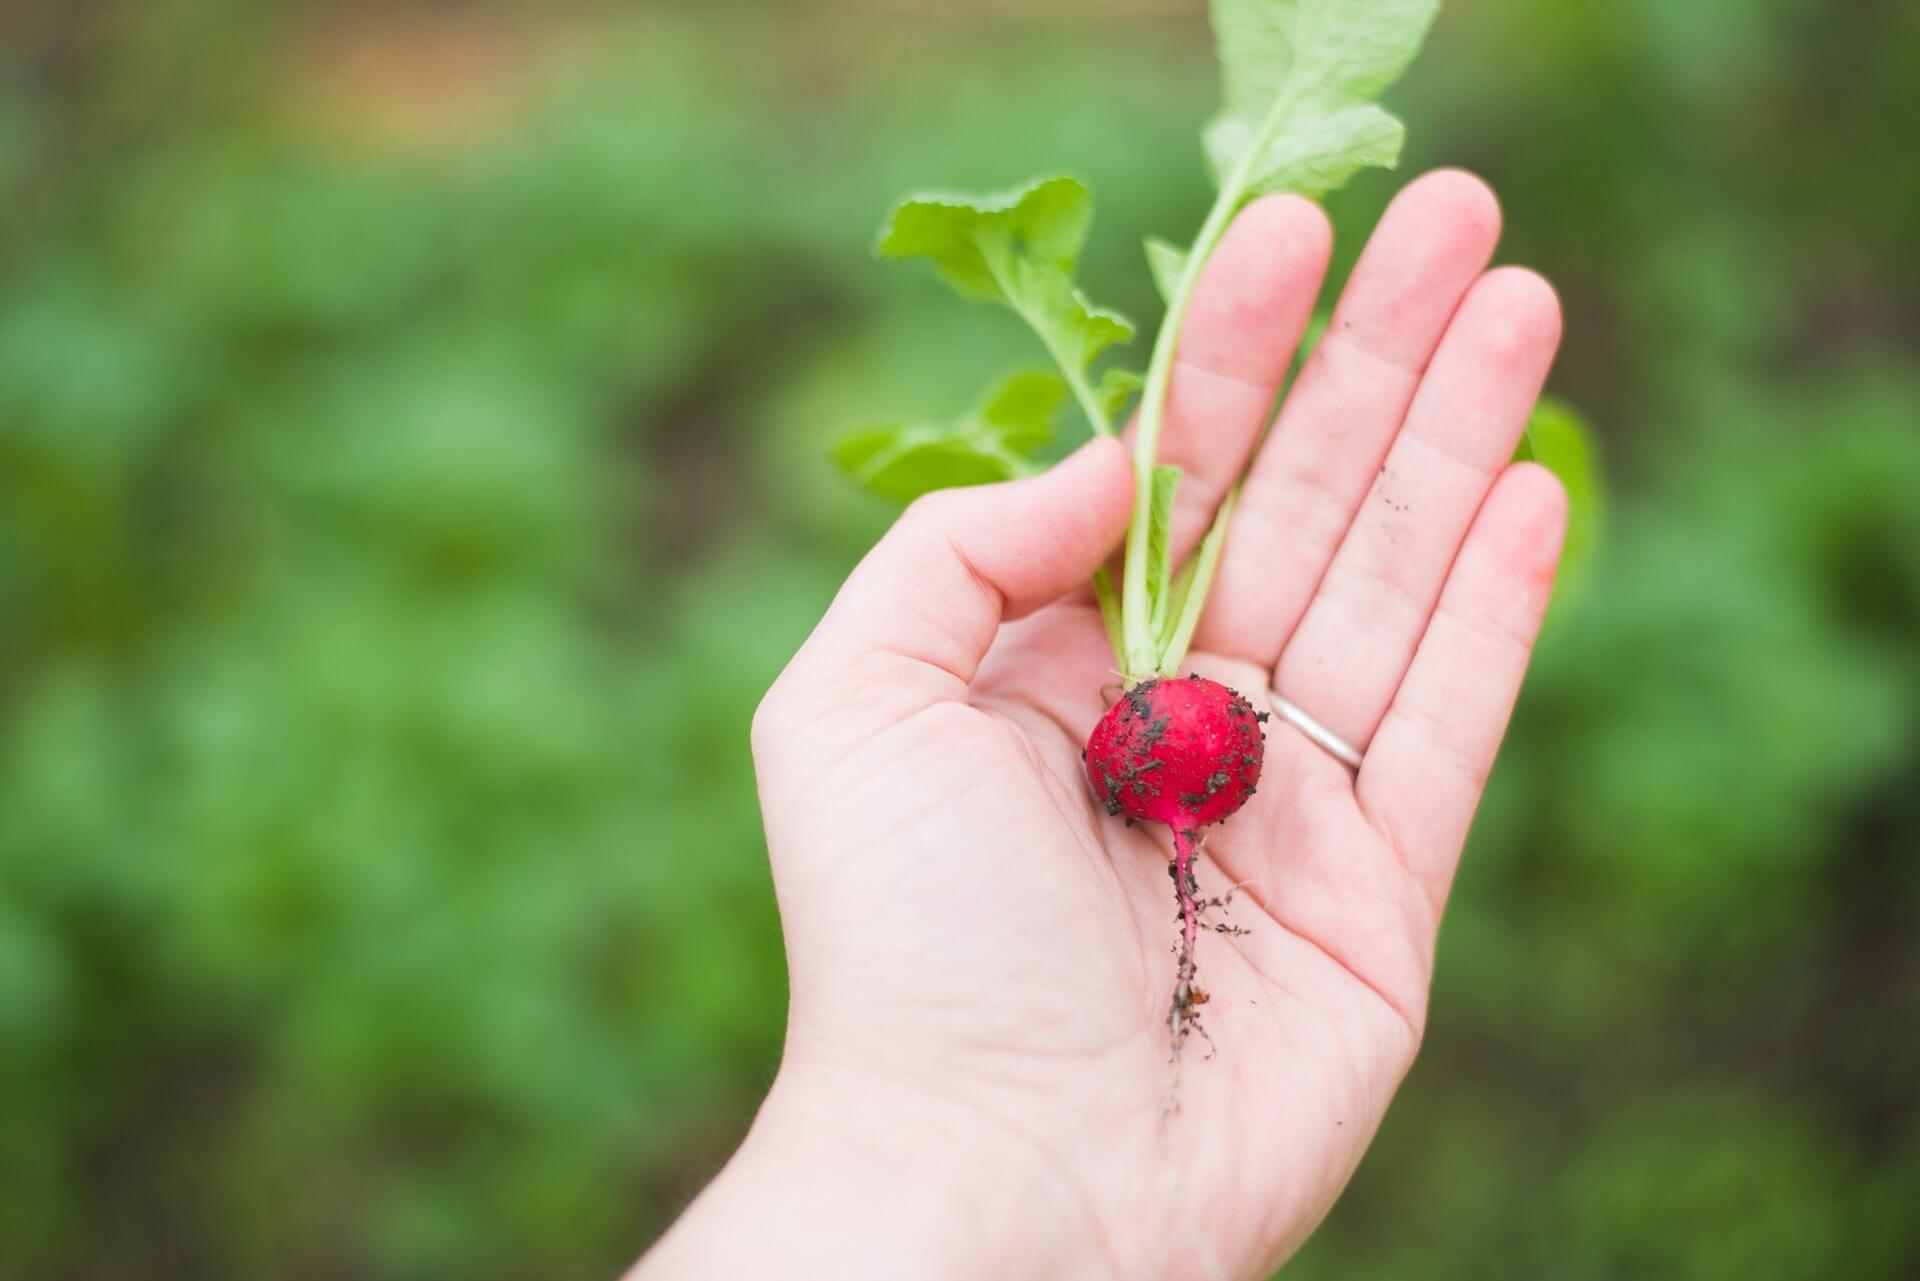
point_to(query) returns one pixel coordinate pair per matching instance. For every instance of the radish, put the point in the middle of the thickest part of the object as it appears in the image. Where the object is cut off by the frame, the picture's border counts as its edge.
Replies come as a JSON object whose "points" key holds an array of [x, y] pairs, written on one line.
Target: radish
{"points": [[1186, 753], [1300, 80]]}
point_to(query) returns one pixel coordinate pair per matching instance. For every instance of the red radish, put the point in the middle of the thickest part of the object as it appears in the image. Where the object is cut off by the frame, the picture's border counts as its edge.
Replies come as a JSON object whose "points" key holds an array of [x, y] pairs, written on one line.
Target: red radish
{"points": [[1186, 753]]}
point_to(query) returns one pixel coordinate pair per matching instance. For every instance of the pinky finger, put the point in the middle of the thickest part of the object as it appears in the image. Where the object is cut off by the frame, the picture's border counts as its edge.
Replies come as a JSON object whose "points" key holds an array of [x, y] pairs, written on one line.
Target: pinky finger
{"points": [[1426, 767]]}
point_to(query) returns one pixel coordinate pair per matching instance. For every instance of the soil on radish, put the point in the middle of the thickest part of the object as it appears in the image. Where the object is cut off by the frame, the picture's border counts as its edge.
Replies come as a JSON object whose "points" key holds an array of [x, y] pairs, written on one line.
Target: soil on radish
{"points": [[1186, 753]]}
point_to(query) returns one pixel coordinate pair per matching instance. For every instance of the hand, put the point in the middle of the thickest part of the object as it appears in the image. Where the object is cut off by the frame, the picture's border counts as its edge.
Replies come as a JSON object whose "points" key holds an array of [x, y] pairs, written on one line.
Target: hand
{"points": [[978, 1074]]}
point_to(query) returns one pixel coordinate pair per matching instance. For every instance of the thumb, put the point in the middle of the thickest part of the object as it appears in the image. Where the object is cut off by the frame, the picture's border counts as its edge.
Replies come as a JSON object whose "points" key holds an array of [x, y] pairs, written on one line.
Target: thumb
{"points": [[918, 614]]}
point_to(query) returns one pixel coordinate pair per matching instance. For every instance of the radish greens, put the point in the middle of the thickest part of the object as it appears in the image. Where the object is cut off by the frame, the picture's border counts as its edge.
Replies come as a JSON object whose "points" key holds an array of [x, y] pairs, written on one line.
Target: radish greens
{"points": [[1299, 84]]}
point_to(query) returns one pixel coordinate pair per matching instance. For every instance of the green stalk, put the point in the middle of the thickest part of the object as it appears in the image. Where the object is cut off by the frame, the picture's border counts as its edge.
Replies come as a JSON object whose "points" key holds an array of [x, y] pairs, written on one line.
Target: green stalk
{"points": [[1141, 655], [1073, 372], [1206, 559], [1177, 591], [1083, 392]]}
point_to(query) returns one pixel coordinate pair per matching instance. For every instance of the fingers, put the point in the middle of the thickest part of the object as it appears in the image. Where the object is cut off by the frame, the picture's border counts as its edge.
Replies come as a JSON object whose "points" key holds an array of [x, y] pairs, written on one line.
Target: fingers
{"points": [[1346, 658], [911, 624], [1342, 413], [1424, 773], [1247, 314]]}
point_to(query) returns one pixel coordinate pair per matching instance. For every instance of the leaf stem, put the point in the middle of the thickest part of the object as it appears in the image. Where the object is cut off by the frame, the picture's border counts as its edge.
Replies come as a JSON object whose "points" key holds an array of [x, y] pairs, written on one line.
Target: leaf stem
{"points": [[1204, 562], [1141, 656], [1083, 392], [1075, 375], [1137, 625]]}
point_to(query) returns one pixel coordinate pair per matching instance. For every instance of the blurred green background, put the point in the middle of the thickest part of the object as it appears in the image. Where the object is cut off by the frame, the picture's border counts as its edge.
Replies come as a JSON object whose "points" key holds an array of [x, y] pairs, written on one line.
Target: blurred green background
{"points": [[413, 424]]}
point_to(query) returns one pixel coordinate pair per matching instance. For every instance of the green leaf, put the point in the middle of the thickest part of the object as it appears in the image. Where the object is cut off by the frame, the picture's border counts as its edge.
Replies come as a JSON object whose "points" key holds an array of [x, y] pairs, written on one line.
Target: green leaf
{"points": [[1315, 331], [1018, 248], [1558, 438], [1166, 480], [1314, 155], [992, 442], [905, 460], [1299, 78], [1019, 412], [1116, 388], [1096, 327], [1168, 262]]}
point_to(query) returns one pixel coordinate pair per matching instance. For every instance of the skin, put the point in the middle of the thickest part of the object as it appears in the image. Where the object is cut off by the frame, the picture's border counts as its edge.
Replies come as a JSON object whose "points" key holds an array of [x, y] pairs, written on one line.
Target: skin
{"points": [[977, 1078]]}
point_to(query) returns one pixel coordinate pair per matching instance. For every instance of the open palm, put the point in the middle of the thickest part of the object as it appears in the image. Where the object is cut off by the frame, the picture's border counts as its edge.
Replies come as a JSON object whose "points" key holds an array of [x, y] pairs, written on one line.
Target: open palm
{"points": [[980, 954]]}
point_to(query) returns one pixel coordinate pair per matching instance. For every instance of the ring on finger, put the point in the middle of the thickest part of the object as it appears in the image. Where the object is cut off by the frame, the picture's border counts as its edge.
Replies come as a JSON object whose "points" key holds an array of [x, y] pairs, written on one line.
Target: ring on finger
{"points": [[1328, 741]]}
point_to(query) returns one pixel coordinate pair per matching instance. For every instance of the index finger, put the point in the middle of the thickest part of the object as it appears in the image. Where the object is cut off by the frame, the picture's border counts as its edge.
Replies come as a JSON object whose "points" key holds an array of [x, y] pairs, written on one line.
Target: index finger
{"points": [[1249, 309]]}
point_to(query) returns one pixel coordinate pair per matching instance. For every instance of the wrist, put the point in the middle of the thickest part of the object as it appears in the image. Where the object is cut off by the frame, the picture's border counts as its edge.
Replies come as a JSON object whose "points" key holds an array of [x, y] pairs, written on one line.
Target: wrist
{"points": [[851, 1175]]}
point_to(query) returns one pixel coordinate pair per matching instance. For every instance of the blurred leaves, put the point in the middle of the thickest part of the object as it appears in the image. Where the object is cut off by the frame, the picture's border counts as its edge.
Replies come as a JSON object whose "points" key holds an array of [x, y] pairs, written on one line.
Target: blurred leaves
{"points": [[393, 547], [1560, 440]]}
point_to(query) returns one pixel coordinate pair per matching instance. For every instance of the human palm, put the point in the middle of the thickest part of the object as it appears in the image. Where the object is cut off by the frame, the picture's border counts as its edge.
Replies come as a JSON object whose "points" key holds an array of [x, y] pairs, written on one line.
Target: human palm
{"points": [[1020, 967], [982, 960]]}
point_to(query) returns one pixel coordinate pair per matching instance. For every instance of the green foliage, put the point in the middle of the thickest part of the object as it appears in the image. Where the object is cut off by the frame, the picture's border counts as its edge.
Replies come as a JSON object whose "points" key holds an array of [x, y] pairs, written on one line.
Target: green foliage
{"points": [[1560, 440], [1018, 248], [995, 440], [1300, 76], [1300, 80]]}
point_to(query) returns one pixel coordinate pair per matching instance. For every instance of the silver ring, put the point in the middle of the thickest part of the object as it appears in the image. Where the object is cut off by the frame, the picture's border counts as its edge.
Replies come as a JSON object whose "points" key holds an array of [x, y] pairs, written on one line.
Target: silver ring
{"points": [[1330, 742]]}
